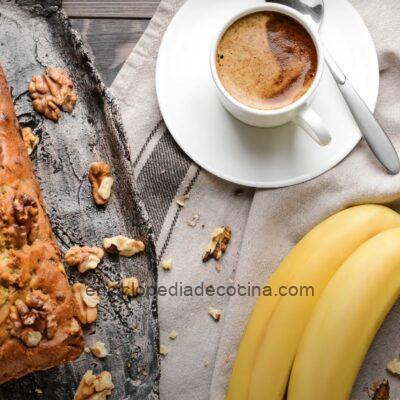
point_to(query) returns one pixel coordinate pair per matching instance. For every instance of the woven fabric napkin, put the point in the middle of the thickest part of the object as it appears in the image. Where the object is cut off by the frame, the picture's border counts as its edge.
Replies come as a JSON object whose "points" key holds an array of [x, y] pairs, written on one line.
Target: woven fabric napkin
{"points": [[265, 223]]}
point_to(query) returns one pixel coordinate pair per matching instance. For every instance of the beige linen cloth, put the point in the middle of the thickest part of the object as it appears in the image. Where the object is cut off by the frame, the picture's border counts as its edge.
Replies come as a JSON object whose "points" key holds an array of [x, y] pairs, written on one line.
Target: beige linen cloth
{"points": [[265, 223]]}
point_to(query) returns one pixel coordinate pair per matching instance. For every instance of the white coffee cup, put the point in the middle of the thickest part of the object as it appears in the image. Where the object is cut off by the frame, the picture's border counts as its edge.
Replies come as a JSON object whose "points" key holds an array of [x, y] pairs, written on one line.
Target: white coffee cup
{"points": [[299, 111]]}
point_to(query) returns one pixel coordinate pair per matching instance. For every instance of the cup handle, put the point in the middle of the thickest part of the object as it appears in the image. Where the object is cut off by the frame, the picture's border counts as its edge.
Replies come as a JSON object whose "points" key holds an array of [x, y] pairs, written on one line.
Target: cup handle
{"points": [[310, 121]]}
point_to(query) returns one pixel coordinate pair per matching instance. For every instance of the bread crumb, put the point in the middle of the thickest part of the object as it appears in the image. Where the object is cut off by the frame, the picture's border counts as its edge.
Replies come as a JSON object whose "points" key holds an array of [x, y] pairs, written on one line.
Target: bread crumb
{"points": [[193, 220], [180, 200]]}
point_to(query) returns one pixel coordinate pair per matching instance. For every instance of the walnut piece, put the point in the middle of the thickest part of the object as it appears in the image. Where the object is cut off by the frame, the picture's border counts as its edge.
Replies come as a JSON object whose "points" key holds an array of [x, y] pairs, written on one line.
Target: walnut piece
{"points": [[215, 313], [101, 181], [218, 244], [94, 387], [30, 140], [130, 286], [173, 335], [52, 92], [99, 350], [123, 246], [31, 338], [18, 220], [393, 366], [167, 264], [86, 300], [163, 350], [85, 258]]}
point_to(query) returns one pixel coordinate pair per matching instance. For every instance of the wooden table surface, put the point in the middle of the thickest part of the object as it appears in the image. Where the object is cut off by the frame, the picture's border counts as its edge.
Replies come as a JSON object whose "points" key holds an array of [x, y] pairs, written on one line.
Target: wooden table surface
{"points": [[111, 28]]}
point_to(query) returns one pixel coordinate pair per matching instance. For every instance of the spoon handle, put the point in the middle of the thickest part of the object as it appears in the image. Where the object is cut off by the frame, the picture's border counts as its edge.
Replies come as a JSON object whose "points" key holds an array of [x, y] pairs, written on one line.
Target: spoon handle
{"points": [[375, 136]]}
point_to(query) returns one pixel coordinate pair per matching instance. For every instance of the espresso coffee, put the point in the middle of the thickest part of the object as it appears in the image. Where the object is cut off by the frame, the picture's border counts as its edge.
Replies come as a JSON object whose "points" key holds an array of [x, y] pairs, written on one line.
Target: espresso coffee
{"points": [[266, 60]]}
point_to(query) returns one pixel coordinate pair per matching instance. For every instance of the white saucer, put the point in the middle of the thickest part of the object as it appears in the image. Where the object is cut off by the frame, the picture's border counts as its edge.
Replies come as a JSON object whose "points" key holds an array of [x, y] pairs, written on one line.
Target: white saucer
{"points": [[253, 156]]}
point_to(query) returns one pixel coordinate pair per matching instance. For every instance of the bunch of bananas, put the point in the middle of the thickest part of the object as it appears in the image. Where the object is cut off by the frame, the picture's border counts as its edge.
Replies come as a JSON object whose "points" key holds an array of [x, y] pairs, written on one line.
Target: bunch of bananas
{"points": [[312, 347]]}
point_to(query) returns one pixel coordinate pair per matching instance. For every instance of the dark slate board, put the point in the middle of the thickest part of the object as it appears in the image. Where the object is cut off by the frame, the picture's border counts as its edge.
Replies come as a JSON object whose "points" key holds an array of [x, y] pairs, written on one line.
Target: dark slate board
{"points": [[33, 36]]}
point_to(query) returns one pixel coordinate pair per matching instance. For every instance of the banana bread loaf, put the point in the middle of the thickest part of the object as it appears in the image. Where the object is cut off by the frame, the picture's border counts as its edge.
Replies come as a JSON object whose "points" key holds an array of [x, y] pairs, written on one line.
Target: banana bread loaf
{"points": [[38, 328]]}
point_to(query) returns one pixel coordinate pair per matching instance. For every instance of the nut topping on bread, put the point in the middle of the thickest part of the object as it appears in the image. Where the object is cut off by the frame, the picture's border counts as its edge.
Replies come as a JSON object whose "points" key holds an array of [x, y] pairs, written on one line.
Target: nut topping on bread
{"points": [[101, 181], [52, 93], [18, 220]]}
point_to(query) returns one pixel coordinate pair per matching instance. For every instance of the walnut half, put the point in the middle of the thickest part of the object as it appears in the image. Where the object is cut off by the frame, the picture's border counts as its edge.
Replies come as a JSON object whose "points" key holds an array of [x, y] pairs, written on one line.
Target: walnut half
{"points": [[86, 300], [85, 258], [101, 181], [123, 246], [94, 387], [52, 93], [218, 244]]}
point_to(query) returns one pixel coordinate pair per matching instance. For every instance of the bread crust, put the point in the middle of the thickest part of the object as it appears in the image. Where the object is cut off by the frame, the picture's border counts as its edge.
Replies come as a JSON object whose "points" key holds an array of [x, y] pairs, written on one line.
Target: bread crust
{"points": [[38, 328]]}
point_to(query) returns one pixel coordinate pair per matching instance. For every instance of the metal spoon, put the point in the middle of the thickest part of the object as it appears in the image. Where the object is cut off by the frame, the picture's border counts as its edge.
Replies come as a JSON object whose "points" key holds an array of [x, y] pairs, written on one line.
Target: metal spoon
{"points": [[373, 133]]}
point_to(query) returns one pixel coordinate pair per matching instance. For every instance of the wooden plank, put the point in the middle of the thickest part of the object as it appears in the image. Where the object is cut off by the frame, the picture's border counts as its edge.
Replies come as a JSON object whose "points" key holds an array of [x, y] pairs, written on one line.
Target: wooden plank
{"points": [[111, 42], [110, 9]]}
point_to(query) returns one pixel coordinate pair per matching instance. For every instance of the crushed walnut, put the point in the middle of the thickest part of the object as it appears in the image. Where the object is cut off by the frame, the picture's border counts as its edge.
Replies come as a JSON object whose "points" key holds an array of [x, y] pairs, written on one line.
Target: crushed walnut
{"points": [[85, 258], [218, 244], [86, 300], [94, 387], [32, 318], [101, 181], [180, 200], [18, 220], [393, 366], [52, 93], [99, 350], [163, 350], [166, 265], [130, 286], [193, 220], [215, 313], [123, 246], [30, 140]]}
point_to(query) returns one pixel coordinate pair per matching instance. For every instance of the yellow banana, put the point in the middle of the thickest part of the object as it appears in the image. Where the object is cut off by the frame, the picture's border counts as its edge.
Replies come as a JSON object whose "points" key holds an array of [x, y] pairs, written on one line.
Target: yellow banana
{"points": [[267, 350], [346, 319]]}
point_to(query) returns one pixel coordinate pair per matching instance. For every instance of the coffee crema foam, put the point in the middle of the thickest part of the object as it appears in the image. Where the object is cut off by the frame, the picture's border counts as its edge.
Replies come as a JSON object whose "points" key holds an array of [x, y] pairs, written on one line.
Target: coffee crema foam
{"points": [[266, 60]]}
